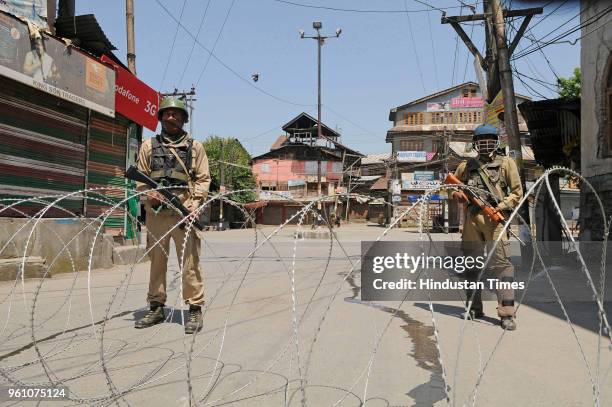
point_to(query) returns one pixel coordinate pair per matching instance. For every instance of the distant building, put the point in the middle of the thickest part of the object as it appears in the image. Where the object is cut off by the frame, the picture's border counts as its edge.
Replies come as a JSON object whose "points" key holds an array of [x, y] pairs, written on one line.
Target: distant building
{"points": [[429, 138], [289, 174]]}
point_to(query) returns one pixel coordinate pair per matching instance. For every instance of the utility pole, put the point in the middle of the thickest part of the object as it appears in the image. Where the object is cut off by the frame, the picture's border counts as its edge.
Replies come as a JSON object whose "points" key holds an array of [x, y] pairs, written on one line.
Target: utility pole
{"points": [[317, 25], [499, 73], [131, 47], [221, 179]]}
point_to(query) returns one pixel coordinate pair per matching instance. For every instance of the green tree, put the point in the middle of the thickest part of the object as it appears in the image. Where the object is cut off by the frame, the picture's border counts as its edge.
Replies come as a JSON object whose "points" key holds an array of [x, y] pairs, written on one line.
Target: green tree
{"points": [[237, 176], [569, 88]]}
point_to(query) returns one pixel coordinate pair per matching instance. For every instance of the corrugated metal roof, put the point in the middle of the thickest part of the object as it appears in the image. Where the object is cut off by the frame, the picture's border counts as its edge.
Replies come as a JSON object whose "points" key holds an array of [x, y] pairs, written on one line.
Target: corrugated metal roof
{"points": [[554, 125], [375, 158], [86, 29]]}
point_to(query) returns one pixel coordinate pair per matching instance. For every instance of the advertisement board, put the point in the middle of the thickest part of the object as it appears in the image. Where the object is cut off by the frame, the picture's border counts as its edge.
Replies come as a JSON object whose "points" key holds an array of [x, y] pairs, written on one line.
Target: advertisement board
{"points": [[419, 185], [412, 156], [133, 98], [35, 11], [51, 66], [437, 106], [461, 102], [423, 176]]}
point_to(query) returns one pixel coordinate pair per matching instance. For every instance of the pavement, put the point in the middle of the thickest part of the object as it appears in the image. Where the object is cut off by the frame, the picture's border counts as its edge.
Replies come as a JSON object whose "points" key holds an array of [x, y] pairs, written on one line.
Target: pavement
{"points": [[279, 331]]}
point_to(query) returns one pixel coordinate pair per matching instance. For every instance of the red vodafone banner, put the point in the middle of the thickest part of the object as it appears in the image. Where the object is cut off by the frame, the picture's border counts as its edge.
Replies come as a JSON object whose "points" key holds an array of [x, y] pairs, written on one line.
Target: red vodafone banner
{"points": [[133, 98]]}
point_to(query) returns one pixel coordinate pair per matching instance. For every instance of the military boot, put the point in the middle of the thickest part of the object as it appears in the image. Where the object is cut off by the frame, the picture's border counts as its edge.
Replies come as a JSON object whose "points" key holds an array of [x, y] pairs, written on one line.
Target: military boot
{"points": [[194, 322], [508, 323], [153, 317], [475, 309]]}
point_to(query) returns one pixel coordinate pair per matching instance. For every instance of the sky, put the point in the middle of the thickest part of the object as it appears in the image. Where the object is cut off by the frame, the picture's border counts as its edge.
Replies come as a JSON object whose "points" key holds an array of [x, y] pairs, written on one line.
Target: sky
{"points": [[381, 59]]}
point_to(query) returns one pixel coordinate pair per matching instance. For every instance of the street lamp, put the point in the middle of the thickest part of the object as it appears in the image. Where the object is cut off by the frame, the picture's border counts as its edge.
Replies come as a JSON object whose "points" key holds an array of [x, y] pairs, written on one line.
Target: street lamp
{"points": [[317, 25]]}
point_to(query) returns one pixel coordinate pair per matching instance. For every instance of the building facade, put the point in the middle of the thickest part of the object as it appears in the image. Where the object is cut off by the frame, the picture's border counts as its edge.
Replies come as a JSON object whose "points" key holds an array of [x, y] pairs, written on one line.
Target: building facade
{"points": [[299, 168], [596, 117], [429, 138]]}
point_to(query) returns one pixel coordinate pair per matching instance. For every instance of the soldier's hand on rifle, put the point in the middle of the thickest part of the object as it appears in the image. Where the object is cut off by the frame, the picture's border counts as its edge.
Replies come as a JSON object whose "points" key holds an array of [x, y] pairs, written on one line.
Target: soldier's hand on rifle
{"points": [[155, 198], [193, 207], [459, 196]]}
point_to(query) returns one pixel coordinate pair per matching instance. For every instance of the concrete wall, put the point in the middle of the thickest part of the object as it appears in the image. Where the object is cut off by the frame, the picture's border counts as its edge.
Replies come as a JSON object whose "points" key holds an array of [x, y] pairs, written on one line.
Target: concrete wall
{"points": [[594, 54], [48, 239]]}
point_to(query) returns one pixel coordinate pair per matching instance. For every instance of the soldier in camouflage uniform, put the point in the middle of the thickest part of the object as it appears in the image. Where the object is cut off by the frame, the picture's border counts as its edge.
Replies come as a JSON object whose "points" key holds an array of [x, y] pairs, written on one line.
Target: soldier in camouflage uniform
{"points": [[173, 158], [497, 174]]}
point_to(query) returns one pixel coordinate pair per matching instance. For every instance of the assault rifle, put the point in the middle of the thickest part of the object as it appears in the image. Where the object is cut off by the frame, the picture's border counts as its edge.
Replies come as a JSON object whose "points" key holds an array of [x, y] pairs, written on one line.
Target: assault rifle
{"points": [[476, 200], [134, 174]]}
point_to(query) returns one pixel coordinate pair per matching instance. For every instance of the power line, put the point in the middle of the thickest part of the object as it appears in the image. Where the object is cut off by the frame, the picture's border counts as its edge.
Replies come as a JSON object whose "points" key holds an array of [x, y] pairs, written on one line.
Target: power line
{"points": [[194, 44], [570, 31], [433, 51], [293, 3], [161, 85], [216, 41], [416, 54], [350, 121], [226, 66]]}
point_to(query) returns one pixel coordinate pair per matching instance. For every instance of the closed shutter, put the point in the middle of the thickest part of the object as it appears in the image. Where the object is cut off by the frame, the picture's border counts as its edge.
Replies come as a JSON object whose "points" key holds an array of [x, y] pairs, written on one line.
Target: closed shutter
{"points": [[272, 215], [106, 167], [42, 152]]}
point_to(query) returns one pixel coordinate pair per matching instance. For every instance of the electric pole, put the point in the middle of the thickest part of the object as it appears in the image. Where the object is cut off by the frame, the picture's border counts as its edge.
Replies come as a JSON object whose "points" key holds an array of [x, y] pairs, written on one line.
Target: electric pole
{"points": [[497, 62], [317, 25], [221, 180], [499, 74], [131, 47]]}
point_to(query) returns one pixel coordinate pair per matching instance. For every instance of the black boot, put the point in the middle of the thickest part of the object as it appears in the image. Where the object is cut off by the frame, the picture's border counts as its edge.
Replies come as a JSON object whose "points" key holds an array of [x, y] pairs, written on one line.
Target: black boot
{"points": [[153, 317], [475, 309], [194, 322]]}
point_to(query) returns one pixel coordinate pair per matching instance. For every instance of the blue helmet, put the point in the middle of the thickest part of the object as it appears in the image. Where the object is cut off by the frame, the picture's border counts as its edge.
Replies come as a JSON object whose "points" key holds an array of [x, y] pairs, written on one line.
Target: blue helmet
{"points": [[485, 130]]}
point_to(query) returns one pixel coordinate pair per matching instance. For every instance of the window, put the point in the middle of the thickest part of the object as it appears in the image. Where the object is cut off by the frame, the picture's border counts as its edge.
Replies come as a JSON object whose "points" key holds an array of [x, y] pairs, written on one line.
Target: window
{"points": [[413, 119], [265, 168], [410, 145]]}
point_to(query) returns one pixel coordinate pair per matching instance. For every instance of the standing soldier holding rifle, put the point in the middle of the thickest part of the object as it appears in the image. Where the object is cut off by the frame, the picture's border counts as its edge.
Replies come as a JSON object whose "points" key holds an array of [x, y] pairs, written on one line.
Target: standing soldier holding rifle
{"points": [[173, 158], [484, 220]]}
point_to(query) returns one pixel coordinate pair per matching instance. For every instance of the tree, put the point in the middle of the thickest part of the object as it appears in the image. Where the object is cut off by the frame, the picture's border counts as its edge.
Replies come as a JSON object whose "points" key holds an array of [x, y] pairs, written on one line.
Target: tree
{"points": [[570, 88], [237, 176]]}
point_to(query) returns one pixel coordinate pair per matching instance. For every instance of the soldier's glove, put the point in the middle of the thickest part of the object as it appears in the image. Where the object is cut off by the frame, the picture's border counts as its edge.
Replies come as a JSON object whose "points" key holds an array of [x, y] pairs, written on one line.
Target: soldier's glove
{"points": [[459, 196], [155, 199]]}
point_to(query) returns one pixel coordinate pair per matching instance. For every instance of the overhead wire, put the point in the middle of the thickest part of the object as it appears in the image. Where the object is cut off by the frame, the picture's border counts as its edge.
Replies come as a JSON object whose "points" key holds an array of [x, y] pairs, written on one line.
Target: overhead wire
{"points": [[194, 43], [225, 65], [433, 51], [416, 54], [161, 85], [539, 44], [229, 10], [293, 3]]}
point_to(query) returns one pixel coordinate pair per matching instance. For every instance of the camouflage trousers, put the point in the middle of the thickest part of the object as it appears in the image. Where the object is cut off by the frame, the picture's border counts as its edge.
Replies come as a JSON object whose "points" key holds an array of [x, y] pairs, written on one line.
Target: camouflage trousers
{"points": [[158, 226], [479, 228]]}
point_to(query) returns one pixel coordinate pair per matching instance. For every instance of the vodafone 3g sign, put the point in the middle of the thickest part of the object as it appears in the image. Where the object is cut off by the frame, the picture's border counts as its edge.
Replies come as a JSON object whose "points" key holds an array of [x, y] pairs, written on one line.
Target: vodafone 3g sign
{"points": [[133, 98]]}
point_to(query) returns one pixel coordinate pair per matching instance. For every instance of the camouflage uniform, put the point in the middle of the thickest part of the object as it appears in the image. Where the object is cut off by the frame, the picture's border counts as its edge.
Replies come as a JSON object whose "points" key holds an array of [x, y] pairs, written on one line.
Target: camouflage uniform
{"points": [[504, 179], [160, 222]]}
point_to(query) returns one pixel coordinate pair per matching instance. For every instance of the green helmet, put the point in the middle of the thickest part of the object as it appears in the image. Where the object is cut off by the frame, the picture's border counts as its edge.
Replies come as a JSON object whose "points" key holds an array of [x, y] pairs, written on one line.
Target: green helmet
{"points": [[172, 102]]}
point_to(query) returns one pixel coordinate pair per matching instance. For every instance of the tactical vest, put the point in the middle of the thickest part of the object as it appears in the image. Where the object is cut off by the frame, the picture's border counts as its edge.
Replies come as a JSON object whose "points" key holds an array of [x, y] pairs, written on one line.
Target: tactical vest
{"points": [[164, 165], [493, 171]]}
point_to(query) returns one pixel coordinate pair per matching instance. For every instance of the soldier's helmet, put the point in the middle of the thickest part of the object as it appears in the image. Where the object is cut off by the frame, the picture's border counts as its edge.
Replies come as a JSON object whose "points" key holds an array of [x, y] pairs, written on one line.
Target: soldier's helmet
{"points": [[175, 103], [486, 139]]}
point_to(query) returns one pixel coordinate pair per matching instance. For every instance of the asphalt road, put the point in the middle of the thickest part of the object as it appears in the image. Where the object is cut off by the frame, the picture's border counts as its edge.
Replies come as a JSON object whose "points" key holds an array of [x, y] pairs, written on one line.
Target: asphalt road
{"points": [[279, 331]]}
